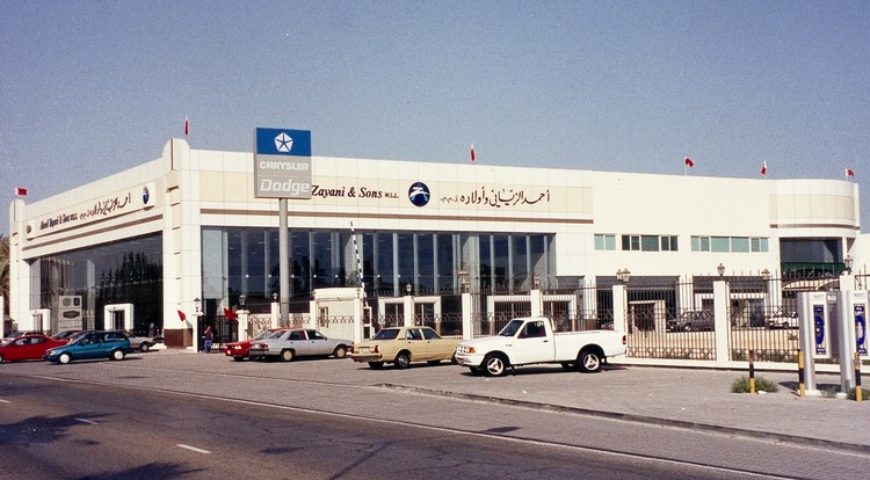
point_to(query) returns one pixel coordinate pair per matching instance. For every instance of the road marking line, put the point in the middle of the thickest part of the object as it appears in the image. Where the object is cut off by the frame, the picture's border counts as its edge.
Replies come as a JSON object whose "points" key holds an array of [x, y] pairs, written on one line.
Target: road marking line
{"points": [[56, 379], [194, 449], [4, 401], [85, 420]]}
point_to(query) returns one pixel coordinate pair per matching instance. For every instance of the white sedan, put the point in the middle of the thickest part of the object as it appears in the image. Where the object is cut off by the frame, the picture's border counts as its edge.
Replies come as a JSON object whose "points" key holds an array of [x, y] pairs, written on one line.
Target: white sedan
{"points": [[298, 342]]}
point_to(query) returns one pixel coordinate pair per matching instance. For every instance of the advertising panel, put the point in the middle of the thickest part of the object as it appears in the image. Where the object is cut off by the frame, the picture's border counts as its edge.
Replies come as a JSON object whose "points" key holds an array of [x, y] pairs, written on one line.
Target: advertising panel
{"points": [[282, 163]]}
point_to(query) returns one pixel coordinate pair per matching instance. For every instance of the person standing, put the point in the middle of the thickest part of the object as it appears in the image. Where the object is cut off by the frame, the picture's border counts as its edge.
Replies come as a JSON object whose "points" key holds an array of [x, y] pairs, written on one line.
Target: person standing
{"points": [[207, 338]]}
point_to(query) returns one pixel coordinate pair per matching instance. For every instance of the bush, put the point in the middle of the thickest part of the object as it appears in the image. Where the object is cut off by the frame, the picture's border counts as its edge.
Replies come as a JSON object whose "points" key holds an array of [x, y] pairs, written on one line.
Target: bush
{"points": [[865, 394], [741, 385]]}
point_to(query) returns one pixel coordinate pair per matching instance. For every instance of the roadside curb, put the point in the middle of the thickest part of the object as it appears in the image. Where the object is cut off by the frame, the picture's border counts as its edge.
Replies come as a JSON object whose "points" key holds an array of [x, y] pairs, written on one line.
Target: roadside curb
{"points": [[629, 417]]}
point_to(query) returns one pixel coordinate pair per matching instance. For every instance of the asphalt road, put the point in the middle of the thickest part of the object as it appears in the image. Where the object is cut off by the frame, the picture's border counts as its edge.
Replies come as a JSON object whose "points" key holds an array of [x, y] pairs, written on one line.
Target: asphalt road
{"points": [[201, 417], [54, 430]]}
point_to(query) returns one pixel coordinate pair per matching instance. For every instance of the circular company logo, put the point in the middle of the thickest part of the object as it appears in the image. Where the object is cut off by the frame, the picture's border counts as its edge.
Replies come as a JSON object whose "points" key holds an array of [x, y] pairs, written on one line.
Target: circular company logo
{"points": [[146, 195], [418, 194]]}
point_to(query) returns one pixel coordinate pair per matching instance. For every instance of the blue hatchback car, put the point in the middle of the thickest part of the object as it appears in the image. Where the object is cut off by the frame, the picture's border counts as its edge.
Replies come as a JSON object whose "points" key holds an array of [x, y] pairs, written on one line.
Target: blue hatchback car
{"points": [[112, 344]]}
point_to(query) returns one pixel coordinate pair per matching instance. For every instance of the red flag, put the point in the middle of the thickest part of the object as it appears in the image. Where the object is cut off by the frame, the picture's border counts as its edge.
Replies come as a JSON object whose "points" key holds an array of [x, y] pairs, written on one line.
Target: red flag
{"points": [[764, 167], [186, 126], [231, 315], [688, 162], [20, 192], [182, 316], [473, 156], [849, 173]]}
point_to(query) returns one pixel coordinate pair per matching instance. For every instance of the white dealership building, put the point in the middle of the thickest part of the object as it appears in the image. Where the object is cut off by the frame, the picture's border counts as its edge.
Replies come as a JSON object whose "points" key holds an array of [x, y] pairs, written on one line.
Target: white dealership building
{"points": [[172, 241]]}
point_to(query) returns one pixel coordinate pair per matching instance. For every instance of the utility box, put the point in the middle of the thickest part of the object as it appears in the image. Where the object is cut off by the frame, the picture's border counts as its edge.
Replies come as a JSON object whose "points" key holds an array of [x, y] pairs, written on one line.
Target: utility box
{"points": [[814, 313]]}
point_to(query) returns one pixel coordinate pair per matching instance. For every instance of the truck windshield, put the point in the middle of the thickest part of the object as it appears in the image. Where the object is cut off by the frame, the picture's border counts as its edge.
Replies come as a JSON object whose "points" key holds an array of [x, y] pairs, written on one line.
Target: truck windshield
{"points": [[511, 328]]}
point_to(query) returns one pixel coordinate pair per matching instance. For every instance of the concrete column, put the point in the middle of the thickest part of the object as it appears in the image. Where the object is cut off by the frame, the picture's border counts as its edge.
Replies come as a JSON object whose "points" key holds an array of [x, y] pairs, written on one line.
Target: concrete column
{"points": [[620, 309], [409, 310], [537, 299], [721, 302], [467, 316], [313, 315], [358, 319], [244, 324], [274, 313]]}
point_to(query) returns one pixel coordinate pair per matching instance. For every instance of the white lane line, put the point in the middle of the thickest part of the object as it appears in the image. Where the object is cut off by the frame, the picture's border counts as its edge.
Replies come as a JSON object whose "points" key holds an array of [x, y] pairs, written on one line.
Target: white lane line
{"points": [[56, 379], [193, 449], [4, 401], [85, 420]]}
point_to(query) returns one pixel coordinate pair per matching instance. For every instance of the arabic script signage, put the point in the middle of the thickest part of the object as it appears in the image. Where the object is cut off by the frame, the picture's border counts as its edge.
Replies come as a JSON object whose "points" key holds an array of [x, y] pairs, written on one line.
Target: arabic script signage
{"points": [[108, 206]]}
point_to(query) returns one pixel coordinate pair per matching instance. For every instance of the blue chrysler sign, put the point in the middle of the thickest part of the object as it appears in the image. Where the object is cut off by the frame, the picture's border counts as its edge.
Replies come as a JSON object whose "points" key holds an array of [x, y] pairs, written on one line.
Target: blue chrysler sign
{"points": [[282, 163], [283, 141]]}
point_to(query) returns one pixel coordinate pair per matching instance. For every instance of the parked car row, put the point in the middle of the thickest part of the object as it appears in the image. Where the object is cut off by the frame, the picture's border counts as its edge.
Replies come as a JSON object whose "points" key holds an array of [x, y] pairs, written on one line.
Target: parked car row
{"points": [[523, 341], [68, 345]]}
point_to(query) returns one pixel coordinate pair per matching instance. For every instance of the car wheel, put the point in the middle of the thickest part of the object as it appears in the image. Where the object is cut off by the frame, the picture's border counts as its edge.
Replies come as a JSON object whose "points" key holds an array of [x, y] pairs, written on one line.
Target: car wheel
{"points": [[238, 359], [117, 355], [288, 355], [64, 358], [433, 362], [376, 365], [144, 347], [589, 361], [340, 351], [403, 360], [495, 365]]}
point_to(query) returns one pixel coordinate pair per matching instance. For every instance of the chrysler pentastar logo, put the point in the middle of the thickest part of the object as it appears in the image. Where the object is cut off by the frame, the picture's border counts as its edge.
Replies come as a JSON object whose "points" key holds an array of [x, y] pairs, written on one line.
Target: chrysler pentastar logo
{"points": [[283, 142], [418, 194]]}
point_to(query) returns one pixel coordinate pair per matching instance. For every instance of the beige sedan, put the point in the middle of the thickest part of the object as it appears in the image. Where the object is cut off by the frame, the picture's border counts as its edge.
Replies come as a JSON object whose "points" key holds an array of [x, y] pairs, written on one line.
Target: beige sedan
{"points": [[403, 346]]}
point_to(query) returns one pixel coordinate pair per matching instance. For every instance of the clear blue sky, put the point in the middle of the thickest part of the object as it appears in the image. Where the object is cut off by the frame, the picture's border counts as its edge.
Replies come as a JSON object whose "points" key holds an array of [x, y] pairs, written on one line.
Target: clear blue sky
{"points": [[91, 88]]}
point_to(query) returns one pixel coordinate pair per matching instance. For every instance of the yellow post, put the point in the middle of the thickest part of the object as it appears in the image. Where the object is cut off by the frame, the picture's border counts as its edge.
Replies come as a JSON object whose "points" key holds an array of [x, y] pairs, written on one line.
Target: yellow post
{"points": [[752, 371], [802, 389], [859, 392]]}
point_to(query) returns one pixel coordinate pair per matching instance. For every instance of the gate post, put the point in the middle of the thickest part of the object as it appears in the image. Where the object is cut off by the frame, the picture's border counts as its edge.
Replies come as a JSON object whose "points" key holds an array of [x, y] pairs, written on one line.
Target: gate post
{"points": [[620, 304], [536, 298], [721, 322], [467, 324]]}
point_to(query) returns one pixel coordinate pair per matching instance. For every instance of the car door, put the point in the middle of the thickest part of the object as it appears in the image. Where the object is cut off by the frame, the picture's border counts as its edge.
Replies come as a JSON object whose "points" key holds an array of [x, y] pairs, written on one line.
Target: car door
{"points": [[89, 347], [532, 344], [417, 346], [433, 346], [297, 340], [318, 344], [16, 349]]}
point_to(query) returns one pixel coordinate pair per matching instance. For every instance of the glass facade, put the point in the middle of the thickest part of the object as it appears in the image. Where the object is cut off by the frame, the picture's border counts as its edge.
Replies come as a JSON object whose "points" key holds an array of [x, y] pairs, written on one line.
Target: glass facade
{"points": [[129, 271], [248, 259]]}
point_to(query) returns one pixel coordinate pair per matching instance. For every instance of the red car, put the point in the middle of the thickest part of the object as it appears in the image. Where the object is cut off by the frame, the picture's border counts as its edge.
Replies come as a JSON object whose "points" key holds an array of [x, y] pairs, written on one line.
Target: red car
{"points": [[240, 350], [28, 347]]}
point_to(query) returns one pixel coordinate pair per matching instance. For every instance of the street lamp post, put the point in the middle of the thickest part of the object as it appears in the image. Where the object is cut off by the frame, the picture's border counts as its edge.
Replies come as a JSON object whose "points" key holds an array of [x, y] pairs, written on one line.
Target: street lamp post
{"points": [[721, 269]]}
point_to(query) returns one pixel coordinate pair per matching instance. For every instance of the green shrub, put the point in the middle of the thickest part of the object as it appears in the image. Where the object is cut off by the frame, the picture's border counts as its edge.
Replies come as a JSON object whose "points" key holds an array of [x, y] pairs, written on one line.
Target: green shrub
{"points": [[741, 385], [865, 394]]}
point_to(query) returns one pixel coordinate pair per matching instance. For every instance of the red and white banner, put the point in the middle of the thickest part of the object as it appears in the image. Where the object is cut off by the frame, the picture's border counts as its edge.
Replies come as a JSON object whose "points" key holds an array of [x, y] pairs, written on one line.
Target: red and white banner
{"points": [[473, 156], [764, 168], [20, 192], [849, 172], [688, 162]]}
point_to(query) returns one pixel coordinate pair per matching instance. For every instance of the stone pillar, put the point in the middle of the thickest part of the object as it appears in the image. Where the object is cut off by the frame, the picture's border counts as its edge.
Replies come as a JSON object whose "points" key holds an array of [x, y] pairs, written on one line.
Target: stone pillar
{"points": [[467, 317], [620, 308], [409, 310], [722, 324], [537, 299]]}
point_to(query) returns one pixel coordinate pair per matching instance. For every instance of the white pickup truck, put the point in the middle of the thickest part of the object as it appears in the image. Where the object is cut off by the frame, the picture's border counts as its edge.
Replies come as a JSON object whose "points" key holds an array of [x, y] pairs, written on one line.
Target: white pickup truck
{"points": [[529, 340]]}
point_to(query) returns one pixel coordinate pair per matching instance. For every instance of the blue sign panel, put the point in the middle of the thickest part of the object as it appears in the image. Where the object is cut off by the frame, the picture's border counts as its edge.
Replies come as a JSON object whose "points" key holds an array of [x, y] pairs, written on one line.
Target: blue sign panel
{"points": [[819, 324], [283, 141], [861, 329]]}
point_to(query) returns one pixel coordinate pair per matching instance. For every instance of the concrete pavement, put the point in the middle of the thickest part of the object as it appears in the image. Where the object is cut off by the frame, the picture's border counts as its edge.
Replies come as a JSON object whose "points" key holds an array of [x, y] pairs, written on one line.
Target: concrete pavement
{"points": [[678, 398]]}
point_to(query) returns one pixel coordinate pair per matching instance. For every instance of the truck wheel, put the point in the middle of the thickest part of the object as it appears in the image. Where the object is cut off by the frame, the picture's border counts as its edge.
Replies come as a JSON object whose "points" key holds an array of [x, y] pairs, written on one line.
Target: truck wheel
{"points": [[495, 365], [589, 361], [403, 360]]}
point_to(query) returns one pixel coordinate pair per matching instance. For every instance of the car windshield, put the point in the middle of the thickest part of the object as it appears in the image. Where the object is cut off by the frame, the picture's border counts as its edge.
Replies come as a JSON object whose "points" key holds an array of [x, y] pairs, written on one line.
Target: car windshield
{"points": [[277, 334], [511, 328], [387, 334]]}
